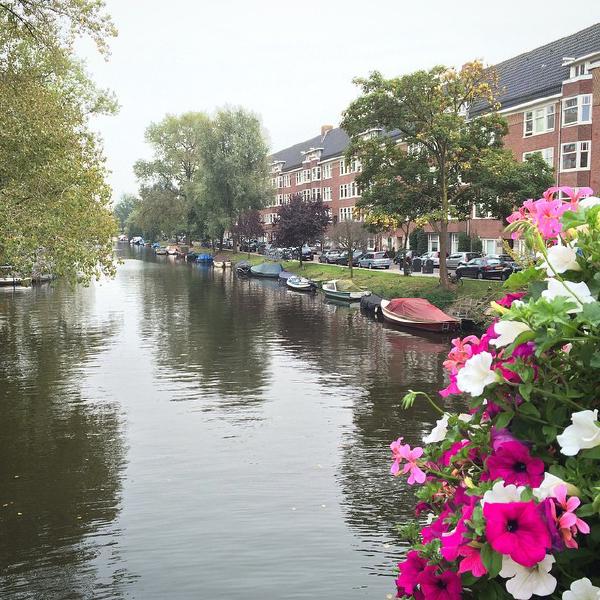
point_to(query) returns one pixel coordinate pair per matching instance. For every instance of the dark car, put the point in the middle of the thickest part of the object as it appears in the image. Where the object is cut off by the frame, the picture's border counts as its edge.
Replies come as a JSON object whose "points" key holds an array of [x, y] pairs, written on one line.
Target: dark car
{"points": [[457, 258], [307, 253], [485, 268], [356, 256], [508, 259]]}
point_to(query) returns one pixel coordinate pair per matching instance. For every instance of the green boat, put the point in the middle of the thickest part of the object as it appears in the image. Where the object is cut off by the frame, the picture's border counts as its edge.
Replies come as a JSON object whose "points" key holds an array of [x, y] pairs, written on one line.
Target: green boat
{"points": [[343, 290]]}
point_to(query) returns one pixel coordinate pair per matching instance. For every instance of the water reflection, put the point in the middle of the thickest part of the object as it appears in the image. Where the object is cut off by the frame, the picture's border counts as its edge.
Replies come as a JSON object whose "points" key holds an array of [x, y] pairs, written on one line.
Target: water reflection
{"points": [[61, 452]]}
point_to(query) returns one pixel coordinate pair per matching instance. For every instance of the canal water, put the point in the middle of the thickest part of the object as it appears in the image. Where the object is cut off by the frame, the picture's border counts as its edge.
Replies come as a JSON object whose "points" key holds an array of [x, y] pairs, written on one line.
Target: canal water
{"points": [[179, 433]]}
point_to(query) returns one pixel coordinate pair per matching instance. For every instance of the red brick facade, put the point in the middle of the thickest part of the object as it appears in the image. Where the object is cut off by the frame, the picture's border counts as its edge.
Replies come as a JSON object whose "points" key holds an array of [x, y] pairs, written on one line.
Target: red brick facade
{"points": [[564, 126]]}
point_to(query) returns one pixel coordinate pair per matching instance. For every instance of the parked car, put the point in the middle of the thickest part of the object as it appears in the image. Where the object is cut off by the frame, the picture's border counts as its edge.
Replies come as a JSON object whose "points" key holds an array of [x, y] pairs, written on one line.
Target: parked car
{"points": [[401, 255], [507, 258], [457, 258], [329, 257], [356, 256], [485, 268], [307, 253], [375, 260], [433, 255]]}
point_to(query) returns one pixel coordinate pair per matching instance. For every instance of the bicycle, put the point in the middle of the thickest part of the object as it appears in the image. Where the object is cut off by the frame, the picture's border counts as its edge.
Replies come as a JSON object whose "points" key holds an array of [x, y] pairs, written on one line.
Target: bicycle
{"points": [[455, 279]]}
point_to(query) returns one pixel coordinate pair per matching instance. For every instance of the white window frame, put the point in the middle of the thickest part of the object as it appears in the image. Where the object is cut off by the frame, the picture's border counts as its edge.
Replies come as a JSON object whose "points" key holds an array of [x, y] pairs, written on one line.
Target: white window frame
{"points": [[581, 101], [474, 215], [581, 147], [326, 194], [316, 173], [299, 178], [286, 180], [547, 155], [327, 171], [541, 113], [433, 239], [453, 243], [315, 193], [485, 242], [343, 168], [344, 191], [346, 213]]}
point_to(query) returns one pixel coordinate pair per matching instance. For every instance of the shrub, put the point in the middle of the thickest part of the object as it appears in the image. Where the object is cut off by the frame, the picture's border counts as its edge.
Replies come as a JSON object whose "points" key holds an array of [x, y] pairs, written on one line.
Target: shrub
{"points": [[512, 487]]}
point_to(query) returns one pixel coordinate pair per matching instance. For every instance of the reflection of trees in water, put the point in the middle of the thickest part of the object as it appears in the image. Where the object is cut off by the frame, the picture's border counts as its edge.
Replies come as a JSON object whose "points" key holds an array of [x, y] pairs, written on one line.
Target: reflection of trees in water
{"points": [[209, 331], [60, 456]]}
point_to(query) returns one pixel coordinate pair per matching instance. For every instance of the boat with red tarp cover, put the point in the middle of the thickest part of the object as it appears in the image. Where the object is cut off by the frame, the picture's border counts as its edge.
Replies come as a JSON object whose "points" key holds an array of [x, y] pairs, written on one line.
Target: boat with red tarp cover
{"points": [[417, 313]]}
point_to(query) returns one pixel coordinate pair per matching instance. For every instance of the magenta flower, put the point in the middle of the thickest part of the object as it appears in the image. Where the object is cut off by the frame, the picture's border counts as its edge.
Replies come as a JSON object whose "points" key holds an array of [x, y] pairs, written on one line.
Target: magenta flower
{"points": [[409, 569], [446, 457], [513, 463], [518, 530], [436, 528], [402, 452], [509, 299], [440, 586], [453, 540]]}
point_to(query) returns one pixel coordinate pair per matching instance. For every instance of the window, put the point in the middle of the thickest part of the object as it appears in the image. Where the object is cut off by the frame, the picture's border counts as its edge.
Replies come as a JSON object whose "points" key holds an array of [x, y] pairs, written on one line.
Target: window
{"points": [[575, 156], [353, 189], [346, 213], [279, 199], [306, 195], [299, 178], [577, 109], [579, 70], [547, 154], [454, 242], [316, 192], [488, 246], [280, 182], [286, 198], [344, 191], [539, 120], [326, 193], [433, 242], [286, 181], [316, 173], [479, 212], [355, 165], [327, 171], [343, 168], [274, 182]]}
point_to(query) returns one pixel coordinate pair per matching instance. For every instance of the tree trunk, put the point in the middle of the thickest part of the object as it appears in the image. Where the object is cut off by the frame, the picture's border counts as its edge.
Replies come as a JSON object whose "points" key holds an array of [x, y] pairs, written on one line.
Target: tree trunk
{"points": [[350, 257], [444, 233], [300, 257]]}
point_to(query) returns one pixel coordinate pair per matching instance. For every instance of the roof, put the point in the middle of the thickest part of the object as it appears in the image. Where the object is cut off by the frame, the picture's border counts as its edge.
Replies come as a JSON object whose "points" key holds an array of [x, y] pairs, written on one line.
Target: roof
{"points": [[540, 72], [334, 143]]}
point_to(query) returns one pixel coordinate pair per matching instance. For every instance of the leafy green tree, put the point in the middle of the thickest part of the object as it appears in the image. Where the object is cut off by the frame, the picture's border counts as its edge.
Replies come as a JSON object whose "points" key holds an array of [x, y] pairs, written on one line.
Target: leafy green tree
{"points": [[124, 208], [301, 222], [171, 182], [445, 162], [236, 173], [54, 199], [349, 235]]}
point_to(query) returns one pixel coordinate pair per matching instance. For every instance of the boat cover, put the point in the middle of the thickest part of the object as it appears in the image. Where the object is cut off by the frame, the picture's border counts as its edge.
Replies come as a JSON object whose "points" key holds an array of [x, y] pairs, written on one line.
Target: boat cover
{"points": [[370, 302], [418, 309], [267, 269]]}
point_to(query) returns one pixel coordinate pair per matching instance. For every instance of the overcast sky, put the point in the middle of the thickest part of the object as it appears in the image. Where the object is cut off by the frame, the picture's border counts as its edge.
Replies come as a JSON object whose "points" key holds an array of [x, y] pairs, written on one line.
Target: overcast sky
{"points": [[293, 62]]}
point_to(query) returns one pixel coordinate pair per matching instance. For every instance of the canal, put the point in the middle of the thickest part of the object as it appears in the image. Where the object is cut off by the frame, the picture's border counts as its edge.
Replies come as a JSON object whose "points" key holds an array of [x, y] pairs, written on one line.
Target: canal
{"points": [[179, 433]]}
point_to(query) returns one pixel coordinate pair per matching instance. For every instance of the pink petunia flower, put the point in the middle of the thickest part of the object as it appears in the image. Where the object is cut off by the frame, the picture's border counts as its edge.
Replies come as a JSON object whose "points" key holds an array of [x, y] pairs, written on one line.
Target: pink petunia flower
{"points": [[518, 530], [437, 527], [513, 463], [563, 515], [410, 569], [440, 586], [509, 299], [471, 563], [402, 452]]}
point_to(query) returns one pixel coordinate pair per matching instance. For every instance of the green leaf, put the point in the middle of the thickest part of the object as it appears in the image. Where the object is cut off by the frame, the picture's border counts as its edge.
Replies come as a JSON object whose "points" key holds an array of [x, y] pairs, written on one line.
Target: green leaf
{"points": [[587, 510], [592, 453], [590, 313], [528, 408], [521, 279], [504, 418], [491, 560]]}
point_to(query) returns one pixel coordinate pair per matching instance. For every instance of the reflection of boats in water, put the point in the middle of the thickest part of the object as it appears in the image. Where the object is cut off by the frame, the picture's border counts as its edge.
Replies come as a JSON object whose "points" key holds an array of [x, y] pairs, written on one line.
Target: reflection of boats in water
{"points": [[337, 290], [417, 313]]}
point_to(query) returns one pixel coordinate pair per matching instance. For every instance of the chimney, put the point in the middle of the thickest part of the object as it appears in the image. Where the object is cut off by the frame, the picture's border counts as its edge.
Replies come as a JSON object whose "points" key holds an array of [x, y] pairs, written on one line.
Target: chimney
{"points": [[325, 129]]}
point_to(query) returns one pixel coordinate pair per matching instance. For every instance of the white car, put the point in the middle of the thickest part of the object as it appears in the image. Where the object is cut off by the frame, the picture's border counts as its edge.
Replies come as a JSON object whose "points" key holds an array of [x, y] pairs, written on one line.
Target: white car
{"points": [[375, 260]]}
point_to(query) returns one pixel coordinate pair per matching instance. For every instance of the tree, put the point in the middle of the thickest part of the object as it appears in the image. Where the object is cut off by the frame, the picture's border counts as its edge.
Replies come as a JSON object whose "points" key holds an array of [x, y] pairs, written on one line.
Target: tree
{"points": [[236, 174], [54, 199], [124, 208], [445, 161], [349, 235], [301, 222], [173, 178], [249, 225]]}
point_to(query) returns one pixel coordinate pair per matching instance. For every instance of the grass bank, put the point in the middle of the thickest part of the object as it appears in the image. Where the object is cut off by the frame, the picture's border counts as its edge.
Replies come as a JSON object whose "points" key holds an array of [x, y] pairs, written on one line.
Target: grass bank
{"points": [[392, 284]]}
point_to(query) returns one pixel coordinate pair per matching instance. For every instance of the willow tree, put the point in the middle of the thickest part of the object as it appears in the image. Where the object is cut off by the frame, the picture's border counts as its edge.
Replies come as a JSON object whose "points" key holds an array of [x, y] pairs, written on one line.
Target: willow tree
{"points": [[54, 200], [439, 146]]}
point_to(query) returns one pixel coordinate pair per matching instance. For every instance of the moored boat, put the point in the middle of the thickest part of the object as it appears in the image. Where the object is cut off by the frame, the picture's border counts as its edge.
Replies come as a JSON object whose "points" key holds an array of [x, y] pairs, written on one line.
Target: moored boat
{"points": [[160, 251], [347, 291], [270, 270], [204, 258], [417, 313], [301, 284], [243, 268], [171, 250]]}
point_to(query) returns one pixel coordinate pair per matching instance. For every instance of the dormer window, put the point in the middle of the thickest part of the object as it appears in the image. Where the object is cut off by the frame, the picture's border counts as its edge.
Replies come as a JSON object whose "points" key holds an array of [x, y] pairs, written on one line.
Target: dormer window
{"points": [[580, 70]]}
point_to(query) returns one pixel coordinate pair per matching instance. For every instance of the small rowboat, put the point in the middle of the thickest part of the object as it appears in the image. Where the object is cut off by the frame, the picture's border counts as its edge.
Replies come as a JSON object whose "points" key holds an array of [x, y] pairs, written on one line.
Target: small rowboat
{"points": [[221, 263], [302, 284], [160, 251], [335, 291], [171, 250], [417, 313]]}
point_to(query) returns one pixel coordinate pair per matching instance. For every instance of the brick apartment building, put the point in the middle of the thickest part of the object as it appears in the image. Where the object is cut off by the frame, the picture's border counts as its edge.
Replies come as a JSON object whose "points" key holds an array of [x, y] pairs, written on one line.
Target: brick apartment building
{"points": [[551, 100]]}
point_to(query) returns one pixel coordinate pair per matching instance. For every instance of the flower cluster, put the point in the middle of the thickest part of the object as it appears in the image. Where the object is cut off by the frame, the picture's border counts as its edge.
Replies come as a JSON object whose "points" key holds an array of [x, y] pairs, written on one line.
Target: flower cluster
{"points": [[511, 488]]}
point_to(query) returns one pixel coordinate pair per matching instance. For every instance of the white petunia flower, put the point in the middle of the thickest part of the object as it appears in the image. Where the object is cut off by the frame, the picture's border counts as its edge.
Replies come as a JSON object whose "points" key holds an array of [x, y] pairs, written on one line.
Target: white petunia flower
{"points": [[546, 488], [589, 202], [502, 494], [578, 292], [476, 374], [465, 417], [560, 259], [582, 434], [525, 582], [508, 332], [438, 433], [582, 589]]}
